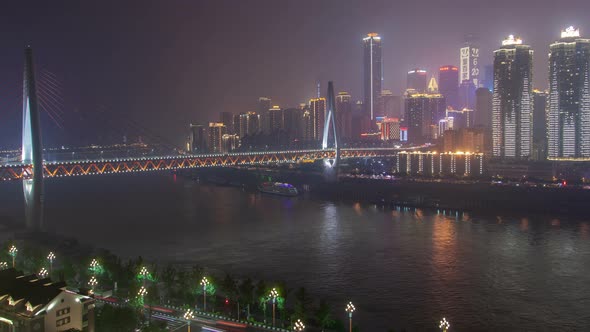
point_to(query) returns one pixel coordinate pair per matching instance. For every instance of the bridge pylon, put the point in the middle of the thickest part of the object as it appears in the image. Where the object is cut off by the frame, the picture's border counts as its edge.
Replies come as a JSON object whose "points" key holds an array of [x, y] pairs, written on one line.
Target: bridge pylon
{"points": [[32, 149], [331, 165]]}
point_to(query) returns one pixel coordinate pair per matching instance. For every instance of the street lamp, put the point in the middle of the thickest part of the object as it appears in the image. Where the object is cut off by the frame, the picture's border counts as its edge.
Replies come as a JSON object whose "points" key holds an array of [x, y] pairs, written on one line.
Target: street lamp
{"points": [[273, 295], [50, 258], [3, 265], [204, 283], [298, 326], [144, 274], [43, 273], [12, 252], [92, 283], [350, 309], [189, 315], [444, 325]]}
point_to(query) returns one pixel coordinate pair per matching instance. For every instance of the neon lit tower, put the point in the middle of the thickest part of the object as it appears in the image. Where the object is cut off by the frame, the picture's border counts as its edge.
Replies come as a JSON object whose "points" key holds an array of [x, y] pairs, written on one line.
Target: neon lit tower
{"points": [[373, 72], [512, 100], [569, 97], [31, 146]]}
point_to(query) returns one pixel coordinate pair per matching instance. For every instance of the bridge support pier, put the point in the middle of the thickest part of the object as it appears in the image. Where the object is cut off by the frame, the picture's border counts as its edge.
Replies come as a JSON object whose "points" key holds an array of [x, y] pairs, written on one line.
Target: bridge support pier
{"points": [[32, 149], [331, 165]]}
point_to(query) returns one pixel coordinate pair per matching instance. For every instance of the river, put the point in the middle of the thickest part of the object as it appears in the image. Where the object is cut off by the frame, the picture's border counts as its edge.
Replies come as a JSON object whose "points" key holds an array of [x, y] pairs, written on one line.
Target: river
{"points": [[401, 268]]}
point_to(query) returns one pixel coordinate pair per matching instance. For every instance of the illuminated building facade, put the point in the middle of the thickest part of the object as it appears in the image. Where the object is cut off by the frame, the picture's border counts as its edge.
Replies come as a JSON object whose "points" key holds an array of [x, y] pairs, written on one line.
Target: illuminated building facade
{"points": [[227, 118], [306, 125], [373, 73], [390, 129], [459, 163], [215, 137], [317, 108], [276, 121], [512, 100], [422, 111], [229, 143], [249, 124], [469, 64], [569, 97], [417, 80]]}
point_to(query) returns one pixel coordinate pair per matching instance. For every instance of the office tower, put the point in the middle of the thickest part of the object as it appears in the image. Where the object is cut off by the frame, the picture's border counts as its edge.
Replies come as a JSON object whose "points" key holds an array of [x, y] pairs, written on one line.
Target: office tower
{"points": [[512, 100], [432, 86], [264, 104], [227, 118], [569, 97], [373, 73], [483, 108], [390, 129], [344, 116], [236, 124], [417, 80], [422, 112], [469, 62], [275, 119], [249, 124], [539, 125], [318, 112], [466, 95], [488, 77], [215, 137], [198, 139], [448, 85], [292, 124]]}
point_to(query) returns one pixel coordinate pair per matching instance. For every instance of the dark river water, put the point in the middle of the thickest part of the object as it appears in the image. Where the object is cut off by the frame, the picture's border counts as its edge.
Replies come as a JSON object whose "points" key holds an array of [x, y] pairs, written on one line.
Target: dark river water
{"points": [[402, 269]]}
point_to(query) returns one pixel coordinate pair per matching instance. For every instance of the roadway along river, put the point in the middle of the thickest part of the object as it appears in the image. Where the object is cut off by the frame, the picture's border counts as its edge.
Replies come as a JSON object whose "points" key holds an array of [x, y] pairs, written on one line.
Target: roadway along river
{"points": [[401, 269]]}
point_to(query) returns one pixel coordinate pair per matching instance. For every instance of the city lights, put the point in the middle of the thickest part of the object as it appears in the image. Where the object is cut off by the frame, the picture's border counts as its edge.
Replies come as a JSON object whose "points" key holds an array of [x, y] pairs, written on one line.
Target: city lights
{"points": [[444, 325], [43, 273], [204, 283], [350, 309], [12, 252], [299, 326]]}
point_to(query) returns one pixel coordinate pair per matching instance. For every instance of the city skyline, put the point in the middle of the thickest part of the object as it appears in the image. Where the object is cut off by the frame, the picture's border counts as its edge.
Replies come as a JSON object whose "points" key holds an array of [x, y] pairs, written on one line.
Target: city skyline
{"points": [[137, 80]]}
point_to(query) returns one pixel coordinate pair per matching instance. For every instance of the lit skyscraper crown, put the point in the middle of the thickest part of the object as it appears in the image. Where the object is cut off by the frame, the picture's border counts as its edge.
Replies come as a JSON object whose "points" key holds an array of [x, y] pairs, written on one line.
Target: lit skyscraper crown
{"points": [[570, 32], [511, 40], [373, 35]]}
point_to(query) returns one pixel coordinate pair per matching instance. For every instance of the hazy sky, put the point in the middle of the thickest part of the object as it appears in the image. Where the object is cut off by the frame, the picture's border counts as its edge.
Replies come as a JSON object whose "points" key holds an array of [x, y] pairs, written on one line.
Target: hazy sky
{"points": [[167, 63]]}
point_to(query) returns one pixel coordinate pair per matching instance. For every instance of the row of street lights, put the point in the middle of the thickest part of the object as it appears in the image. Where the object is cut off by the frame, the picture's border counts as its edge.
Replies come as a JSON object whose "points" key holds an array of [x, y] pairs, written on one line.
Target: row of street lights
{"points": [[95, 267]]}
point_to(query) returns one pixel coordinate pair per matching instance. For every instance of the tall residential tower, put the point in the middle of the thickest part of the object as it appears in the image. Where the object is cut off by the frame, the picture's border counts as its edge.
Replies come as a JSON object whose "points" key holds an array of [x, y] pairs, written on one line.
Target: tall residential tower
{"points": [[512, 100], [569, 97]]}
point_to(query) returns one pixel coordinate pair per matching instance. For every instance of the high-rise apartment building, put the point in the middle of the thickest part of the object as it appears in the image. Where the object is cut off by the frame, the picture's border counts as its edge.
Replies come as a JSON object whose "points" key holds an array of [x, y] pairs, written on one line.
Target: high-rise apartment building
{"points": [[249, 124], [215, 137], [372, 73], [227, 118], [539, 151], [422, 115], [198, 139], [448, 85], [512, 100], [318, 112], [417, 80], [306, 125], [569, 97], [344, 116], [275, 119]]}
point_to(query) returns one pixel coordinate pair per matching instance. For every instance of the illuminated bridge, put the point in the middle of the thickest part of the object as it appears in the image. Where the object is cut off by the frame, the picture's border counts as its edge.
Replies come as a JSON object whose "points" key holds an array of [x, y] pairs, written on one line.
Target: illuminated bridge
{"points": [[148, 164]]}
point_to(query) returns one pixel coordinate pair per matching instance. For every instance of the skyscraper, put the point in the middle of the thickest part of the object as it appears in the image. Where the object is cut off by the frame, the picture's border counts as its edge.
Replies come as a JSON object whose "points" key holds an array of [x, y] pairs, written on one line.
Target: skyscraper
{"points": [[318, 113], [569, 96], [292, 123], [275, 119], [512, 100], [448, 85], [483, 108], [469, 60], [422, 114], [390, 105], [417, 80], [264, 104], [198, 139], [227, 118], [215, 135], [373, 73], [344, 115], [249, 124]]}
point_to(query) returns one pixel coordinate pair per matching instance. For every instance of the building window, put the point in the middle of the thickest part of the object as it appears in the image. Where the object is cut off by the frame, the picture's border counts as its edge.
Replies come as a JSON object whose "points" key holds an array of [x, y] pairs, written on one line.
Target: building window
{"points": [[62, 321], [63, 311]]}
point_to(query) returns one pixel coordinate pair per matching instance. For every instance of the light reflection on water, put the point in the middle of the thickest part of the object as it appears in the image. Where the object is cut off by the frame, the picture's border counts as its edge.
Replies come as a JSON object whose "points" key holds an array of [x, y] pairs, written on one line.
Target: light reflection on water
{"points": [[404, 267]]}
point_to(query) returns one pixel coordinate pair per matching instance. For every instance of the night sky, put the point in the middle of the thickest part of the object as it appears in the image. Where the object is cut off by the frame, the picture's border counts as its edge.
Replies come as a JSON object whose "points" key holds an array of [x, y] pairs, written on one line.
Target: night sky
{"points": [[164, 64]]}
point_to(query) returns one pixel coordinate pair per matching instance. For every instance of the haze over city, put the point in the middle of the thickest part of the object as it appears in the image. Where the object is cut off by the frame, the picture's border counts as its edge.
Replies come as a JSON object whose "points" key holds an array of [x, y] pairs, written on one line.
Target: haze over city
{"points": [[171, 64]]}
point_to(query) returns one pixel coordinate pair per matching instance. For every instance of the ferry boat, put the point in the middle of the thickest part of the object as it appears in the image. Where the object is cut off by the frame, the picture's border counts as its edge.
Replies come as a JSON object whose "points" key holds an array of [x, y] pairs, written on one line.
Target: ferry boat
{"points": [[277, 188]]}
